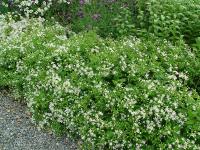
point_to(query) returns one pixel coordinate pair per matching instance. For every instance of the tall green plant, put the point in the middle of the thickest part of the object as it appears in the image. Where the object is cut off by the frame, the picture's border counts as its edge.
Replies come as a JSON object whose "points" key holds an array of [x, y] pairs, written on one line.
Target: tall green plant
{"points": [[170, 19]]}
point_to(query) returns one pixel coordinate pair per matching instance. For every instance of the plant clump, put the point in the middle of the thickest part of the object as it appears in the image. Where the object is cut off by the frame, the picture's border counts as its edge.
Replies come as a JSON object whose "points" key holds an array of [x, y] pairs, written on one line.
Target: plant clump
{"points": [[112, 94]]}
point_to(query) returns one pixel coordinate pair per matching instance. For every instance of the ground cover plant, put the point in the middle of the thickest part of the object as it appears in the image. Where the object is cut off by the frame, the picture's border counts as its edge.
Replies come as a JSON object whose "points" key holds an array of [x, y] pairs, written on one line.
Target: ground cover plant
{"points": [[128, 83], [110, 94]]}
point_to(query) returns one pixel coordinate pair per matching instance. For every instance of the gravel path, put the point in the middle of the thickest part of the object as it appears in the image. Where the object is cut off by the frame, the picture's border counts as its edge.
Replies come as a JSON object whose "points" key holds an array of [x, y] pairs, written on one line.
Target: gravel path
{"points": [[18, 133]]}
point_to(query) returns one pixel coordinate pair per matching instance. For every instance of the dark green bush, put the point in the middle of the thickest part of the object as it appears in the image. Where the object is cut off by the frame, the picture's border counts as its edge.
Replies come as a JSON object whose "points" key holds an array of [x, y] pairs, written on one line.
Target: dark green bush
{"points": [[170, 19], [109, 18], [194, 70]]}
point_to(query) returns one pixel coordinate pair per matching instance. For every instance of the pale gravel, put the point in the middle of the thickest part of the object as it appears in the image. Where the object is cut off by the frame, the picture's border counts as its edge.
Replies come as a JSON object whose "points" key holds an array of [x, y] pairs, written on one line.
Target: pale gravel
{"points": [[17, 132]]}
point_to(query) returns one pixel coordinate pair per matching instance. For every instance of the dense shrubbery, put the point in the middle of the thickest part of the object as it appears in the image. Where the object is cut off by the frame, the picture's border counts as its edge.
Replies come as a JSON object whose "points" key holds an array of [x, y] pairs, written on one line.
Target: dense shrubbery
{"points": [[129, 93], [139, 91], [82, 15], [110, 18], [195, 70], [171, 18], [35, 8]]}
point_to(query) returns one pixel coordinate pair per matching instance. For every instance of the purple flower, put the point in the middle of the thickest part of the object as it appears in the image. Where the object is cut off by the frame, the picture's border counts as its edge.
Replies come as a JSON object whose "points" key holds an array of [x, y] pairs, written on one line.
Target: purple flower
{"points": [[96, 16], [82, 2]]}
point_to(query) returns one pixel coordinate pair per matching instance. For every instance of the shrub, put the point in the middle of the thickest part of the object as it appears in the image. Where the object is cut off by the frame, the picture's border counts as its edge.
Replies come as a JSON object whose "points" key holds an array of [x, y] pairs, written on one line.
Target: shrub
{"points": [[109, 18], [194, 71], [37, 8], [123, 94], [120, 25], [171, 18]]}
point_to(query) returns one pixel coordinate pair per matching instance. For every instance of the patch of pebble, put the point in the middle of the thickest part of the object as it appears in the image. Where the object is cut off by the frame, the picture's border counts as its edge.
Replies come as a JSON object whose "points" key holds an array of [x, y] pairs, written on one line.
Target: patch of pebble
{"points": [[17, 132]]}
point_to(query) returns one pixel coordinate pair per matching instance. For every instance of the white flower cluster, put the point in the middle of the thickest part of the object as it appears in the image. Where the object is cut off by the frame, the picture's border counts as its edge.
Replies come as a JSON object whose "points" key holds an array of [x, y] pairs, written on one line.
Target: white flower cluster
{"points": [[35, 7]]}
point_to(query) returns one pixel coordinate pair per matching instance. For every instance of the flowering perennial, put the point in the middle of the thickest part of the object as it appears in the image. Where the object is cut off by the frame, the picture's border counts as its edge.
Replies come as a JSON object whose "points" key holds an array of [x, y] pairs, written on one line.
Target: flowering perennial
{"points": [[125, 94]]}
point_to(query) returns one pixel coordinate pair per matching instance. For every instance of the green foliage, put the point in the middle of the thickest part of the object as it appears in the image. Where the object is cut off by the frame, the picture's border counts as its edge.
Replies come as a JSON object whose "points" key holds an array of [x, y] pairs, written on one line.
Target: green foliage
{"points": [[126, 94], [195, 69], [170, 19], [109, 18], [121, 25], [129, 93]]}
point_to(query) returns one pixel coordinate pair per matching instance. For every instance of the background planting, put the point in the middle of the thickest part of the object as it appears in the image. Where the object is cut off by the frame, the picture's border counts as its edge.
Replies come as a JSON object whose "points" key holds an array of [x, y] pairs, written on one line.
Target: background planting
{"points": [[171, 19]]}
